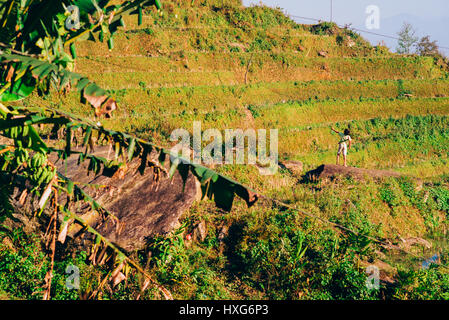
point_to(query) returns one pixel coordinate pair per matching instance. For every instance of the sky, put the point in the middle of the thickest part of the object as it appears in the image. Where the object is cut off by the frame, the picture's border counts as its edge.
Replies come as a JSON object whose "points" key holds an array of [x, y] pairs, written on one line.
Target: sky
{"points": [[429, 17]]}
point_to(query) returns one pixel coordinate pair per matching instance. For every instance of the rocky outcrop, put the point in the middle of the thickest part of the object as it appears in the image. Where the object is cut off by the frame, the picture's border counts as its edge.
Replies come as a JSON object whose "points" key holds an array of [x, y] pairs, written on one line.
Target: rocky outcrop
{"points": [[145, 204], [409, 243], [295, 167], [332, 171]]}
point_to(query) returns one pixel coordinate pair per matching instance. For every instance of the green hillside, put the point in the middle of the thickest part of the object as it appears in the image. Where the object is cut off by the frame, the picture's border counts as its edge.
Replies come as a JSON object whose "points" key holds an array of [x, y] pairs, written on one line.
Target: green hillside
{"points": [[230, 66]]}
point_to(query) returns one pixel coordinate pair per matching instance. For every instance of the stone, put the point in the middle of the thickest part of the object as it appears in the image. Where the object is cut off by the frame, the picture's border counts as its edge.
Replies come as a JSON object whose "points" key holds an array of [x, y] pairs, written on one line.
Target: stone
{"points": [[413, 241], [322, 53], [146, 205], [295, 167], [200, 231], [222, 234]]}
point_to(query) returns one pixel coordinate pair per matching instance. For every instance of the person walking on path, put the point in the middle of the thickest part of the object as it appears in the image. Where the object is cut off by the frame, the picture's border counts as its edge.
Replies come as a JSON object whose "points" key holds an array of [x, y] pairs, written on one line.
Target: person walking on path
{"points": [[344, 145]]}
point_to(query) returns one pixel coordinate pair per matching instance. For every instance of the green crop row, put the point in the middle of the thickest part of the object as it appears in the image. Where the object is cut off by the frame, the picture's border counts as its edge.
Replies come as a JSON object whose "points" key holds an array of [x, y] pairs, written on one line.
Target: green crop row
{"points": [[156, 40], [408, 144], [187, 70], [259, 95], [179, 60], [267, 99], [215, 13], [297, 115]]}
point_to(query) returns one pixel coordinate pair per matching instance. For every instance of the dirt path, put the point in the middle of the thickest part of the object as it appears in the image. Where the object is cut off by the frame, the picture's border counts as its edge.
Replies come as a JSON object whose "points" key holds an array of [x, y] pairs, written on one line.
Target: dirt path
{"points": [[331, 170]]}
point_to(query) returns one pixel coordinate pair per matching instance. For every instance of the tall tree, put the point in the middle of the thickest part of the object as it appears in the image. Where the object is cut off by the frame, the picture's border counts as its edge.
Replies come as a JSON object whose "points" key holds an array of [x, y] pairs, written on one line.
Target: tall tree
{"points": [[407, 39], [426, 47]]}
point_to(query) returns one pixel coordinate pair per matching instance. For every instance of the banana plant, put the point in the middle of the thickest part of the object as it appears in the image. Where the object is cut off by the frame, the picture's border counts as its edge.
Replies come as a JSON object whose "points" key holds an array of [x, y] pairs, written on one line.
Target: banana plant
{"points": [[34, 37], [44, 29], [26, 157]]}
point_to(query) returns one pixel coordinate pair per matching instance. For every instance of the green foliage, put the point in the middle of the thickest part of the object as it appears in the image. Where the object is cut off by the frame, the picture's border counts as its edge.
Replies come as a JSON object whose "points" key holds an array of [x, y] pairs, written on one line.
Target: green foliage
{"points": [[255, 17], [6, 208], [382, 50], [407, 39], [263, 44], [255, 111], [408, 187], [441, 196], [423, 284], [388, 195], [324, 28], [48, 39], [43, 71], [24, 264], [401, 91], [277, 253], [189, 269], [272, 255], [22, 269], [339, 39], [342, 280], [169, 257]]}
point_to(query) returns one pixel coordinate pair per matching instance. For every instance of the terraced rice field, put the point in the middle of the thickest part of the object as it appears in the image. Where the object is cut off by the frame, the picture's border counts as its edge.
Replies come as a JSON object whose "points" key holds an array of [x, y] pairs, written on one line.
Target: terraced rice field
{"points": [[231, 67]]}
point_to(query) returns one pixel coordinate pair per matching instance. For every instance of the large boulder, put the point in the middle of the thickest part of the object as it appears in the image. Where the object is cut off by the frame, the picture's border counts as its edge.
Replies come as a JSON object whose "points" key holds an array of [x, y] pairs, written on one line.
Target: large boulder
{"points": [[145, 204]]}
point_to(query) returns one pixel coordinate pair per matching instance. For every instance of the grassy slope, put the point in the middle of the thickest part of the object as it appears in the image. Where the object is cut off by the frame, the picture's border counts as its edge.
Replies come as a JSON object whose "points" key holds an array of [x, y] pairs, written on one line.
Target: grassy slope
{"points": [[231, 67]]}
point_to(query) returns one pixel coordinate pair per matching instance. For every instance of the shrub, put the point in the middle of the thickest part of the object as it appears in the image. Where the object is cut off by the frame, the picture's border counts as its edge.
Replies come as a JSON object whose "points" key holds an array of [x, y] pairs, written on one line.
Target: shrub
{"points": [[423, 284], [339, 39], [401, 91], [441, 196], [387, 195], [324, 28], [408, 188], [285, 258], [24, 264], [344, 281], [169, 257]]}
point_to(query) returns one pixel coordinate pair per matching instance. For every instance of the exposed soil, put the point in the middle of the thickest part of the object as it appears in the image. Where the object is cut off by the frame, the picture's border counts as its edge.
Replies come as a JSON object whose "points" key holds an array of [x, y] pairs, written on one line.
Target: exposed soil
{"points": [[326, 171]]}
